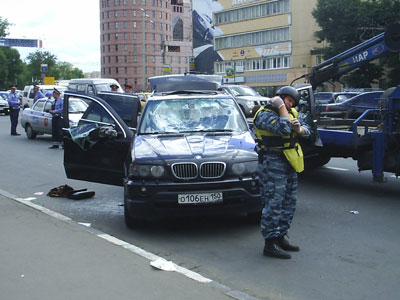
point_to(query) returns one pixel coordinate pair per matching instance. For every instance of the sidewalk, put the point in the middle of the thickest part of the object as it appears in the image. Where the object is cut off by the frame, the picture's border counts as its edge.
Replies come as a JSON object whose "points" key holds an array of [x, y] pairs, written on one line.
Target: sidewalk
{"points": [[43, 257]]}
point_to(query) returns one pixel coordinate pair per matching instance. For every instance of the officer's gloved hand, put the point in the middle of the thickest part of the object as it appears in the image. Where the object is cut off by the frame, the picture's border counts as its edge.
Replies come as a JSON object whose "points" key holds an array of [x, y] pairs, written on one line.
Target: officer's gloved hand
{"points": [[276, 102], [296, 126]]}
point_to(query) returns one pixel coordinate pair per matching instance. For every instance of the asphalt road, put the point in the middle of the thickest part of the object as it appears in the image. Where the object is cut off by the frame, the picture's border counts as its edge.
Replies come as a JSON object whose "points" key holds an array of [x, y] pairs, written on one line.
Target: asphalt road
{"points": [[343, 255]]}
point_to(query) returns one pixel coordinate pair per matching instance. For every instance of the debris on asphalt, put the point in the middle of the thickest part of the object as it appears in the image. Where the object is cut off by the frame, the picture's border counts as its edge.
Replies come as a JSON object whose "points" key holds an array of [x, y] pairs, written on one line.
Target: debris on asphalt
{"points": [[355, 212], [163, 264], [67, 191]]}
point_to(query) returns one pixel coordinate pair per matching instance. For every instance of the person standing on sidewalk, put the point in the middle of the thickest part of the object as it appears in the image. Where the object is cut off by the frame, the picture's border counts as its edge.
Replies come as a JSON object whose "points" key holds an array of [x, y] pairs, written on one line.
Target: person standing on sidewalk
{"points": [[14, 104], [280, 159], [56, 121]]}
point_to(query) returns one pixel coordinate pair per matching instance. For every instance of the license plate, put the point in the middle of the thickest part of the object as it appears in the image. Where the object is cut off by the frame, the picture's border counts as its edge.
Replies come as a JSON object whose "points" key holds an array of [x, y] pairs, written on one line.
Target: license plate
{"points": [[199, 198]]}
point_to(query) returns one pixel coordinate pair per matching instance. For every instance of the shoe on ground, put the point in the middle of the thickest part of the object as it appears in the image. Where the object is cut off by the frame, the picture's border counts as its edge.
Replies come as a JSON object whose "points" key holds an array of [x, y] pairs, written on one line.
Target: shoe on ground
{"points": [[54, 147], [15, 133], [284, 244], [272, 249]]}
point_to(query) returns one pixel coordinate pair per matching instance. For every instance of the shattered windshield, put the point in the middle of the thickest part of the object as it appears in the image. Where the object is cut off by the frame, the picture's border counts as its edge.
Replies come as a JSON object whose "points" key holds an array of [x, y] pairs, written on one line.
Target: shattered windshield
{"points": [[191, 115]]}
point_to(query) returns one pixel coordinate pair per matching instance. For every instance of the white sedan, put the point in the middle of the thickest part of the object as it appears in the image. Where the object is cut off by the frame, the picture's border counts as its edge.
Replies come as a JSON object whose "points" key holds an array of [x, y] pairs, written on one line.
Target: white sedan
{"points": [[37, 120]]}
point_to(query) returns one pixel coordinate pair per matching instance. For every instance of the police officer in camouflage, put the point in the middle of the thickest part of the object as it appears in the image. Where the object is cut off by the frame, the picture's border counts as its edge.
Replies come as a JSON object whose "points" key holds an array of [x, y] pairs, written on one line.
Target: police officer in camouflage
{"points": [[280, 159]]}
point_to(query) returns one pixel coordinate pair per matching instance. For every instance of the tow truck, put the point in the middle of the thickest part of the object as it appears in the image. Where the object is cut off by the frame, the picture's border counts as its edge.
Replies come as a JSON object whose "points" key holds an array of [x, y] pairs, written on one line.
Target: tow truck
{"points": [[373, 139]]}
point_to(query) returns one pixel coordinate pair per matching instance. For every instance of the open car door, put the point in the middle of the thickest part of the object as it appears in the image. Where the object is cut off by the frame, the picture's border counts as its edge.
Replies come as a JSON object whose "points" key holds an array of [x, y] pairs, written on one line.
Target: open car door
{"points": [[97, 146]]}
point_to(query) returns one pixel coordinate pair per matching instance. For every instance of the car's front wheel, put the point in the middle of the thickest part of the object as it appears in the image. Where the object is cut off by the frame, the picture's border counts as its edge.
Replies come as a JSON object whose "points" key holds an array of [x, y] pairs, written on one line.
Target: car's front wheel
{"points": [[29, 132], [130, 221]]}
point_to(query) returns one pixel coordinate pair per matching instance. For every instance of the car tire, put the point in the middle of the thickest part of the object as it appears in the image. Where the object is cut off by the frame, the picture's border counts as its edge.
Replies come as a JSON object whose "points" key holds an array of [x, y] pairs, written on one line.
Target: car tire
{"points": [[130, 221], [316, 162], [29, 132], [254, 218]]}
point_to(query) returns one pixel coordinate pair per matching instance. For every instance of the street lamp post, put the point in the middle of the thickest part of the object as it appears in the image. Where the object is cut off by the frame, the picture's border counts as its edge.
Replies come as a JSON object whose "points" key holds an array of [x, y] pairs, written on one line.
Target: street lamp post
{"points": [[143, 50]]}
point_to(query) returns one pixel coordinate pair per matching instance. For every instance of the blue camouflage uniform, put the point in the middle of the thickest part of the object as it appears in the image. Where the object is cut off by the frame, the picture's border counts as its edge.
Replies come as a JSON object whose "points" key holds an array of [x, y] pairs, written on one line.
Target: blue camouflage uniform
{"points": [[38, 95], [278, 179], [14, 111]]}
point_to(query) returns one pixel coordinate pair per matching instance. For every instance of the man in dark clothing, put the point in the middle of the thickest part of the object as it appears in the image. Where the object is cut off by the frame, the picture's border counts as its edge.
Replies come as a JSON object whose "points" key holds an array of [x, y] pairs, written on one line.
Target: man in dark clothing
{"points": [[56, 121]]}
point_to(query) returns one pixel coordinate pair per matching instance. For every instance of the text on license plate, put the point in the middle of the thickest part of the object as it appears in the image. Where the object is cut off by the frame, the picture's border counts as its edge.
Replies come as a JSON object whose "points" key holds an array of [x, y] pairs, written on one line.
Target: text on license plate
{"points": [[199, 198]]}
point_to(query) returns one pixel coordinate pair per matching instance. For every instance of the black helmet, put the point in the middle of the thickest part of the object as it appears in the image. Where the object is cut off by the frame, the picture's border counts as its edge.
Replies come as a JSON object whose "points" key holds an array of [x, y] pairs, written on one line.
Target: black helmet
{"points": [[291, 91]]}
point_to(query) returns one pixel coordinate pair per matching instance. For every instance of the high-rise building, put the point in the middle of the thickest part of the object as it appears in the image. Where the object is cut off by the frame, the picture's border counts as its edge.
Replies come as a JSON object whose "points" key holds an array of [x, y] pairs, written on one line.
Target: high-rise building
{"points": [[263, 43], [144, 38]]}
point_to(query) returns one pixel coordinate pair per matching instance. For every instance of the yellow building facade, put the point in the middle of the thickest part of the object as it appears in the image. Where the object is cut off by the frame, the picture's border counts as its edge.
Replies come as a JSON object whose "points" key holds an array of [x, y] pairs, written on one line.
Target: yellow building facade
{"points": [[265, 44]]}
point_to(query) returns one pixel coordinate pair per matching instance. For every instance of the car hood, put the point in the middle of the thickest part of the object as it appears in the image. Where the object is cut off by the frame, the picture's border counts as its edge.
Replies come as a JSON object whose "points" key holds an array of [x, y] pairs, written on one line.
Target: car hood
{"points": [[216, 145]]}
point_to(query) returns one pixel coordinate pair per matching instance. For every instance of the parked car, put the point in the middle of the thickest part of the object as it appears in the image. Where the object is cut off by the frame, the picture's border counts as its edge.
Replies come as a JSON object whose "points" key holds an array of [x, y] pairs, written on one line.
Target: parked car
{"points": [[93, 86], [37, 120], [4, 107], [333, 97], [191, 154], [352, 108], [246, 97], [29, 95]]}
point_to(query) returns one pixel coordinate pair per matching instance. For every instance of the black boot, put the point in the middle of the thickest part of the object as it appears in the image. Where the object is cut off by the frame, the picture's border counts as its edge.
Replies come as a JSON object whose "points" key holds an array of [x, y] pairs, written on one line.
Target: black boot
{"points": [[284, 244], [272, 249]]}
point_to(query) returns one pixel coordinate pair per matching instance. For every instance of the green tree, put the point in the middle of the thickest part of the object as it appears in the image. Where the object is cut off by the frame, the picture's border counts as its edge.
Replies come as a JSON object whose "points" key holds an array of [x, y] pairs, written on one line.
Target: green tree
{"points": [[346, 23], [67, 71], [36, 59], [10, 63], [4, 25]]}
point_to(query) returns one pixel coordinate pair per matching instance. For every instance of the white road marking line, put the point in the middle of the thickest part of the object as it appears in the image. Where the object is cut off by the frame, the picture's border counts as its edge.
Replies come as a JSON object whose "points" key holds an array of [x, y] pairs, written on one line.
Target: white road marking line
{"points": [[132, 248], [337, 169]]}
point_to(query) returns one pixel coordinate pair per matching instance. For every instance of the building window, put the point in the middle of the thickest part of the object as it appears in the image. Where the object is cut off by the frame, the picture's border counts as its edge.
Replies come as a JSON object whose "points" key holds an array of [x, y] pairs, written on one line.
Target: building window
{"points": [[253, 38], [134, 36], [125, 36], [116, 70], [116, 25], [134, 47], [116, 47], [134, 24], [134, 70], [134, 2], [154, 59], [125, 59], [116, 36], [125, 25], [116, 59], [134, 58], [116, 13], [126, 70], [252, 12], [109, 59], [115, 2], [125, 47], [153, 36], [134, 13]]}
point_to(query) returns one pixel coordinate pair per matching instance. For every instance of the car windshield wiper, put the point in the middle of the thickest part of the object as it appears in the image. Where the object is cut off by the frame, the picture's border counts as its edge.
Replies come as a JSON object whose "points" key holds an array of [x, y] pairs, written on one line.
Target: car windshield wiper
{"points": [[189, 92], [166, 133], [207, 130]]}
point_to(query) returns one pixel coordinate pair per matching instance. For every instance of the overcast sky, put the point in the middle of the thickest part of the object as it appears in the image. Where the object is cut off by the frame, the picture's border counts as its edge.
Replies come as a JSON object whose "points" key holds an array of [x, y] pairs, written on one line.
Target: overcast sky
{"points": [[69, 29]]}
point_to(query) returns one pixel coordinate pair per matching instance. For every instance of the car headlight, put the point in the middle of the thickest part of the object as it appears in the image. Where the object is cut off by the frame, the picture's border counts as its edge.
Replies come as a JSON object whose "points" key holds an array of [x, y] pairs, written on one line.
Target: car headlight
{"points": [[248, 167], [250, 104], [157, 171], [147, 171]]}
